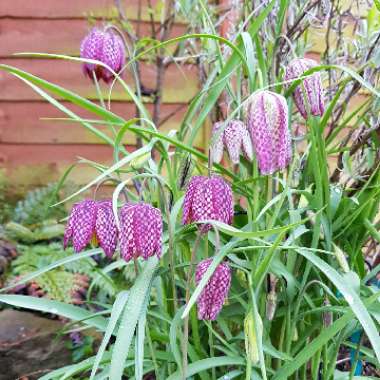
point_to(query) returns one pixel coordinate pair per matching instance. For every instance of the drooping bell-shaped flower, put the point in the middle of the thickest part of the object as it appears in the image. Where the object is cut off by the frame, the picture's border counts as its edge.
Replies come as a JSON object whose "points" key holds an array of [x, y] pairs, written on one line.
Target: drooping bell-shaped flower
{"points": [[208, 198], [89, 218], [104, 46], [106, 228], [140, 231], [267, 119], [81, 225], [235, 138], [309, 94], [213, 295]]}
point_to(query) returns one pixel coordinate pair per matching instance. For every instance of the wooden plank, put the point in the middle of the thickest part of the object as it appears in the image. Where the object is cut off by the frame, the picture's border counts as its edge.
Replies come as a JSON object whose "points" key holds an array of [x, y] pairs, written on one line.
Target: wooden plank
{"points": [[21, 122], [106, 8], [180, 84], [358, 7], [31, 165], [53, 36], [317, 37], [75, 8]]}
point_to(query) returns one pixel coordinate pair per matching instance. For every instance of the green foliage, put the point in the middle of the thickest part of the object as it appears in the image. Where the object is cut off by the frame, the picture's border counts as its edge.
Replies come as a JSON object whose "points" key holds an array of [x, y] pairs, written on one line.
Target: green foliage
{"points": [[36, 206], [82, 350], [47, 231], [38, 256], [299, 248], [59, 283]]}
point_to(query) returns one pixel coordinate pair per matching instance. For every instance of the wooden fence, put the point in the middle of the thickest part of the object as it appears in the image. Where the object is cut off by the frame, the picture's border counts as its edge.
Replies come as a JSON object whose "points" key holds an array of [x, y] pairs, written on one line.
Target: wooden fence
{"points": [[35, 151]]}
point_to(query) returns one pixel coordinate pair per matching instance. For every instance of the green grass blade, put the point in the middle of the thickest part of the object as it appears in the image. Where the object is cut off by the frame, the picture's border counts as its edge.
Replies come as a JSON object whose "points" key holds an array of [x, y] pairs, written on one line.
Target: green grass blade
{"points": [[350, 296], [55, 307], [66, 260], [311, 348], [124, 161], [205, 364], [139, 345], [65, 110], [132, 312], [65, 94], [117, 309]]}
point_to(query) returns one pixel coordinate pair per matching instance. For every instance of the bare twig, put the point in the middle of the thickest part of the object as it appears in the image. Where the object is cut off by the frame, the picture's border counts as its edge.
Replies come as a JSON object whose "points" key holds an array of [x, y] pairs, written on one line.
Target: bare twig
{"points": [[166, 28], [171, 114]]}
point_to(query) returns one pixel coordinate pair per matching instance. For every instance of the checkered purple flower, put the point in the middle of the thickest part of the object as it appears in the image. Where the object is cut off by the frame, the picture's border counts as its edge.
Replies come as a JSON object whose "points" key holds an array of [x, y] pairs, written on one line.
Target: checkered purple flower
{"points": [[309, 96], [213, 295], [105, 227], [208, 198], [140, 231], [89, 218], [235, 138], [267, 119], [104, 46]]}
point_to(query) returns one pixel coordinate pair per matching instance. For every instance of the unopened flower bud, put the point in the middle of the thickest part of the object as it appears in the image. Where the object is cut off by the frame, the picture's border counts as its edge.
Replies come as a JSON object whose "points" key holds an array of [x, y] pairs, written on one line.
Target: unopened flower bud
{"points": [[251, 339], [185, 170], [341, 258], [327, 315], [271, 305]]}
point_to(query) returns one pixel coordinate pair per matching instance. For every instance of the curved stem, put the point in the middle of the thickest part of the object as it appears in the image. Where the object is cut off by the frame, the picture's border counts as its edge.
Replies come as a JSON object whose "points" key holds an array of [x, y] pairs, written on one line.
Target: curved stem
{"points": [[112, 180], [98, 90]]}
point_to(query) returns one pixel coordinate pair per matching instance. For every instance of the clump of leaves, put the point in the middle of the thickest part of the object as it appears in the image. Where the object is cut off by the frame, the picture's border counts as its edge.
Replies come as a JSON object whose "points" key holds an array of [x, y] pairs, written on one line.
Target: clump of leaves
{"points": [[81, 346], [67, 283], [36, 207]]}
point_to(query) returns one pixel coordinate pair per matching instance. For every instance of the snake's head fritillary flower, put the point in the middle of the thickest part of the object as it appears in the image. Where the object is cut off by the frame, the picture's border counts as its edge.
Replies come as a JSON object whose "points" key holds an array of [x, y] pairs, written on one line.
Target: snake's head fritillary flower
{"points": [[89, 218], [105, 227], [208, 198], [235, 138], [309, 94], [81, 225], [104, 46], [213, 295], [267, 114], [140, 231]]}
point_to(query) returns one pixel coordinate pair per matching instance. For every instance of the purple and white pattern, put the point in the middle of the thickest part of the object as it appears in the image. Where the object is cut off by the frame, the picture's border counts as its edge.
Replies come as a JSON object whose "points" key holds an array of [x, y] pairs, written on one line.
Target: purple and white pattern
{"points": [[235, 138], [89, 218], [140, 231], [213, 295], [208, 198], [104, 46], [309, 96], [81, 225], [106, 228], [267, 119]]}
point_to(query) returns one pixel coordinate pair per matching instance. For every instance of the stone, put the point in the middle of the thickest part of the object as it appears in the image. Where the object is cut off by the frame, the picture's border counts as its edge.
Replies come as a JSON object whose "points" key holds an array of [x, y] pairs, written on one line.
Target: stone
{"points": [[29, 346]]}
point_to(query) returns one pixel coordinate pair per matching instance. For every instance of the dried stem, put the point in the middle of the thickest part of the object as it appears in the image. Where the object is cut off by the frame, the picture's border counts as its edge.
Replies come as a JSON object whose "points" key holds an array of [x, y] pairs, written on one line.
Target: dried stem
{"points": [[166, 28]]}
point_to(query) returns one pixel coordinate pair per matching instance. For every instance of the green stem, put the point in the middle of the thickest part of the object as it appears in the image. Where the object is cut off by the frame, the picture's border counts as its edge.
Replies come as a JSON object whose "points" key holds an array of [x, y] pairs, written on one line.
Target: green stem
{"points": [[258, 333], [185, 340], [152, 352], [211, 345]]}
